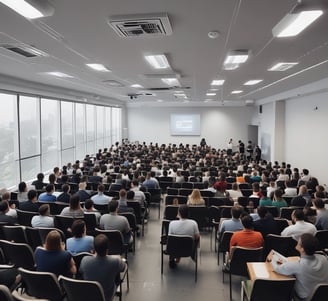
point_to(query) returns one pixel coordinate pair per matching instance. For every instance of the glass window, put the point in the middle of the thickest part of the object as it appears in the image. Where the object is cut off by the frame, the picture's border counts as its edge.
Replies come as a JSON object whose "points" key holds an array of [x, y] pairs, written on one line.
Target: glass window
{"points": [[29, 125], [90, 114], [30, 168], [9, 173], [100, 126], [68, 156], [80, 149], [67, 125], [116, 124], [50, 134], [108, 127]]}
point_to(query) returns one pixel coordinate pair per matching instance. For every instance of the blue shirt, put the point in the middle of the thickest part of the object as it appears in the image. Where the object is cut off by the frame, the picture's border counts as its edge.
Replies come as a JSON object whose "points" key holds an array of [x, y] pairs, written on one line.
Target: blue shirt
{"points": [[46, 198], [82, 244]]}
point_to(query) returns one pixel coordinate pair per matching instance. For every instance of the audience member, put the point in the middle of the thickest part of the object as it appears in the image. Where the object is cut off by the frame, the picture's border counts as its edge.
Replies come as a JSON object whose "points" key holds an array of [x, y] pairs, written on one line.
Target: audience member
{"points": [[48, 197], [321, 221], [80, 242], [265, 224], [195, 198], [39, 184], [100, 198], [234, 224], [74, 209], [65, 196], [32, 203], [43, 220], [4, 218]]}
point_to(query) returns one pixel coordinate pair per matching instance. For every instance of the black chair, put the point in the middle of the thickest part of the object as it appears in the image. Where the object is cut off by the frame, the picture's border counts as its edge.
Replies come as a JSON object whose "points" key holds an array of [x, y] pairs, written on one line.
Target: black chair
{"points": [[286, 212], [14, 233], [5, 294], [189, 185], [171, 212], [237, 265], [178, 246], [64, 223], [156, 198], [18, 254], [199, 185], [273, 210], [267, 289], [24, 218], [91, 223], [115, 187], [224, 244], [281, 224], [33, 237], [77, 259], [218, 201], [285, 245], [246, 192], [243, 201], [103, 209], [44, 232], [42, 285], [322, 236], [207, 193], [185, 191], [214, 215], [181, 199], [139, 213], [77, 290], [172, 191], [225, 211], [133, 226], [176, 185], [164, 185], [200, 215], [320, 292]]}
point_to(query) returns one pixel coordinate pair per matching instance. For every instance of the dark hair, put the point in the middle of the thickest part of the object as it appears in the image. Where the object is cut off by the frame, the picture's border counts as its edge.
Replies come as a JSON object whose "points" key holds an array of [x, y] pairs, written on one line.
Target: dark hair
{"points": [[130, 195], [74, 202], [319, 203], [78, 228], [101, 188], [262, 211], [88, 203], [113, 205], [183, 211], [52, 178], [32, 194], [278, 193], [22, 186], [40, 176], [3, 206], [122, 193], [49, 188], [65, 188], [299, 214], [309, 243], [247, 222], [43, 209], [101, 244], [236, 211]]}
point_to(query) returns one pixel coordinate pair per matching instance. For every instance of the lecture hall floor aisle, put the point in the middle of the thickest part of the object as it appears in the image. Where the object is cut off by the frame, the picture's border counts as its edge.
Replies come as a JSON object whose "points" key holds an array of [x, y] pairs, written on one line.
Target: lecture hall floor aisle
{"points": [[147, 283]]}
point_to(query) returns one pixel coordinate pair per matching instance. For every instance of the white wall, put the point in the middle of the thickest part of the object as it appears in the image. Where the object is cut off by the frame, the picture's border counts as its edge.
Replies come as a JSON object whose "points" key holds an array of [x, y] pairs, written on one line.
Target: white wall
{"points": [[218, 124]]}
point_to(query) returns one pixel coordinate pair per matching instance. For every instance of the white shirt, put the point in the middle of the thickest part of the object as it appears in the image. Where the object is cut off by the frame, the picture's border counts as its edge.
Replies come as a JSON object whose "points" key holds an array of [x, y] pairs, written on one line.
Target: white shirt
{"points": [[298, 229]]}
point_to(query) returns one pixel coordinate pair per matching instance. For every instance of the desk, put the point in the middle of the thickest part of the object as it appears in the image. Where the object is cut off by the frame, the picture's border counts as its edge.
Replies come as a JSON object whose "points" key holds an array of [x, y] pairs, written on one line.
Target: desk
{"points": [[264, 270]]}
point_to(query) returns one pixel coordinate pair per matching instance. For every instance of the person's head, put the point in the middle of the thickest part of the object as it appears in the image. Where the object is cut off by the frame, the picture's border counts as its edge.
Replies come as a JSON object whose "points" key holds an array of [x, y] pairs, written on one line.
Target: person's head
{"points": [[52, 178], [74, 202], [195, 194], [122, 194], [56, 171], [247, 222], [82, 185], [4, 206], [277, 194], [78, 228], [101, 245], [262, 211], [307, 244], [234, 186], [305, 171], [53, 241], [113, 206], [183, 211], [50, 188], [22, 187], [32, 195], [88, 204], [297, 215], [65, 188], [130, 195], [303, 189], [6, 196], [319, 204], [101, 188], [44, 210], [40, 176], [236, 211]]}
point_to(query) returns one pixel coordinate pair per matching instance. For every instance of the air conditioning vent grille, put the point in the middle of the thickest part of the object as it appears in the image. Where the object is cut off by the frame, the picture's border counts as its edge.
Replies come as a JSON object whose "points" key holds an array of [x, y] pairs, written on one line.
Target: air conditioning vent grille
{"points": [[141, 25], [24, 50]]}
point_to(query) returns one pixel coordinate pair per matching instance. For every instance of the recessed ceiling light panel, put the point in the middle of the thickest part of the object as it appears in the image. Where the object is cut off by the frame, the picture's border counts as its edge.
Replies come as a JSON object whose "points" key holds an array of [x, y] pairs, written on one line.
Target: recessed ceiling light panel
{"points": [[217, 82], [282, 66], [98, 67], [158, 61], [253, 82], [236, 92]]}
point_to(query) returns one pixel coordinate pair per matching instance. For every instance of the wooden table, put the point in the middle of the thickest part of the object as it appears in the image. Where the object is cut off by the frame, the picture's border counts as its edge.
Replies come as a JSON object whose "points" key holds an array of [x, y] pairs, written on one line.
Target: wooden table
{"points": [[264, 270]]}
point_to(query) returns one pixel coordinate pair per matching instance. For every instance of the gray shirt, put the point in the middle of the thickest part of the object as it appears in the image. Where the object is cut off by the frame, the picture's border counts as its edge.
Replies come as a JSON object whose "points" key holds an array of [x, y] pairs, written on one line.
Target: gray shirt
{"points": [[184, 227], [40, 221]]}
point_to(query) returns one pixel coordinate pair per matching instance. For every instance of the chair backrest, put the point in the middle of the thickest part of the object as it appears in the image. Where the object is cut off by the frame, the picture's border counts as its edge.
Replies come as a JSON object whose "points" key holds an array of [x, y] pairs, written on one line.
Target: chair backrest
{"points": [[172, 191], [131, 219], [18, 254], [182, 199], [44, 232], [135, 205], [102, 208], [200, 215], [64, 223], [286, 212], [207, 193], [115, 241], [33, 237], [24, 218], [180, 246], [189, 185], [77, 259], [155, 194], [115, 187], [285, 245], [224, 243], [322, 236], [225, 211], [281, 224], [42, 285], [273, 210], [272, 290], [171, 212], [91, 223], [240, 256], [320, 292], [77, 290], [14, 233], [218, 201], [185, 191], [5, 294]]}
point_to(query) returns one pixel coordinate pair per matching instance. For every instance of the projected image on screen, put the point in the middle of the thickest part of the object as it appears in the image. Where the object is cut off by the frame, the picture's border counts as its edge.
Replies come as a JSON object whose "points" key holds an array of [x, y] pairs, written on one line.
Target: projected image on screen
{"points": [[185, 124]]}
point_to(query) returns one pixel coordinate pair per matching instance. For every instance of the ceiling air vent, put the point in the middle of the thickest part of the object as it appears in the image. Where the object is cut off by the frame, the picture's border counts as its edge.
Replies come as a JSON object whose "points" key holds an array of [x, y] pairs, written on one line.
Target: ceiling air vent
{"points": [[24, 50], [113, 83], [148, 25]]}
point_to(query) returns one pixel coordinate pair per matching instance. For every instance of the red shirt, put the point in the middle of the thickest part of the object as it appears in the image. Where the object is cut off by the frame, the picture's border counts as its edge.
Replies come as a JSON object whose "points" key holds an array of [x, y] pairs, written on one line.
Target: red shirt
{"points": [[247, 239]]}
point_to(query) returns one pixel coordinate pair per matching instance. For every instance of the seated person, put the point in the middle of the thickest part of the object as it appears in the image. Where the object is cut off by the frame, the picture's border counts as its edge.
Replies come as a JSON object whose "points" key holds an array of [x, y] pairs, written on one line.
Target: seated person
{"points": [[43, 220], [80, 242], [32, 203], [102, 267], [265, 224], [195, 198], [310, 270], [65, 196], [74, 209], [4, 218], [53, 258], [89, 209], [233, 224], [48, 196]]}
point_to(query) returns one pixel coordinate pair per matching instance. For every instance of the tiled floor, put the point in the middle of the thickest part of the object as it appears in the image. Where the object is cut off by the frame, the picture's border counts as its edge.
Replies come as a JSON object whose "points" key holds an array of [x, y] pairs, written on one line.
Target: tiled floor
{"points": [[147, 283]]}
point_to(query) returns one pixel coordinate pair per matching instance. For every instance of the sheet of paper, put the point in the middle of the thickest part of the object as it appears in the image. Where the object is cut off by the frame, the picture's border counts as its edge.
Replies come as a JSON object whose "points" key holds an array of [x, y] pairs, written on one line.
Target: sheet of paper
{"points": [[260, 270]]}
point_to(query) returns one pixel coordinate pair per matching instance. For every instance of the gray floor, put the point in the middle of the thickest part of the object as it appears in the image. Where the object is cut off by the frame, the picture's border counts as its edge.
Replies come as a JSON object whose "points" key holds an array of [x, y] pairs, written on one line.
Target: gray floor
{"points": [[147, 283]]}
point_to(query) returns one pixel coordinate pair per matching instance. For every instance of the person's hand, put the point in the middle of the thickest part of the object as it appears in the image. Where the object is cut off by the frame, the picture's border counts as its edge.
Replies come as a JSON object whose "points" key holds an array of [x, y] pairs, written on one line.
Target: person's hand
{"points": [[269, 257]]}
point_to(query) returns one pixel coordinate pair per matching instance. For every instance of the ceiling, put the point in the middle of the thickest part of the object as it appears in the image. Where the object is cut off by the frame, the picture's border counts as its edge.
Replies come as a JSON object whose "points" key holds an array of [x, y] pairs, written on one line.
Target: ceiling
{"points": [[78, 33]]}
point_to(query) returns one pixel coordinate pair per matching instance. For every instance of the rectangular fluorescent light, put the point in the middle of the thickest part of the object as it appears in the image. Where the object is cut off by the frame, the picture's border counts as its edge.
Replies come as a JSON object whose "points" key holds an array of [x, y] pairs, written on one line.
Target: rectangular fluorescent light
{"points": [[210, 94], [98, 67], [253, 82], [236, 92], [294, 23], [236, 57], [171, 81], [60, 74], [217, 82], [282, 66], [136, 86], [158, 61], [27, 10], [230, 66]]}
